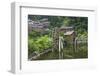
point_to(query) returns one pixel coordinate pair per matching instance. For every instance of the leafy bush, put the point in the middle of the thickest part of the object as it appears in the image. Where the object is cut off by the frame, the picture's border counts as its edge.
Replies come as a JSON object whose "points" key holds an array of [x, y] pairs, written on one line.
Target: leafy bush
{"points": [[39, 44], [83, 36]]}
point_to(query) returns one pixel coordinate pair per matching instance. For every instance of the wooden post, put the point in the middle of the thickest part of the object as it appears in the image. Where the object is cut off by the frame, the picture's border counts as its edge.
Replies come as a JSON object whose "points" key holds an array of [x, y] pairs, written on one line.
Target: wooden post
{"points": [[55, 38], [75, 44], [60, 47]]}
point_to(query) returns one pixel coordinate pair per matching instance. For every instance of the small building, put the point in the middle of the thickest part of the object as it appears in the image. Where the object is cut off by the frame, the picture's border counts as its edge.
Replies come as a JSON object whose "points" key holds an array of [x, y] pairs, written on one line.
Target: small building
{"points": [[39, 25], [69, 33]]}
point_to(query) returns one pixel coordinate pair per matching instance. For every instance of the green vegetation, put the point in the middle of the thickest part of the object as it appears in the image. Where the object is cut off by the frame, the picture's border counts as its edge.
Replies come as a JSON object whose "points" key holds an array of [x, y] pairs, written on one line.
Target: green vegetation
{"points": [[40, 41]]}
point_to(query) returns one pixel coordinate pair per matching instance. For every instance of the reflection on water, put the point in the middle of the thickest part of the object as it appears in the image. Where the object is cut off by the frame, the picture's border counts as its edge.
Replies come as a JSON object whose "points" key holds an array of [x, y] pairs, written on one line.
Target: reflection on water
{"points": [[67, 53]]}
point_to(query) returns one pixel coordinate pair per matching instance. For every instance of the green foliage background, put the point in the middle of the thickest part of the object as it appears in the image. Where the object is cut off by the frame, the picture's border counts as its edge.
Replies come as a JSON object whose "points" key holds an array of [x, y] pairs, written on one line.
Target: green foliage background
{"points": [[39, 42]]}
